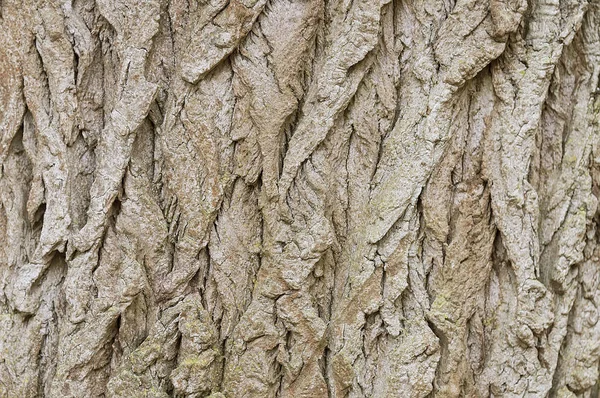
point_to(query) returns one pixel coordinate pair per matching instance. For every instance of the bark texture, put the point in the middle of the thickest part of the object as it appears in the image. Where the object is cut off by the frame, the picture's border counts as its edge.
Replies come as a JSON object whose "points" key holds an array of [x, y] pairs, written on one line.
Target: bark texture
{"points": [[299, 198]]}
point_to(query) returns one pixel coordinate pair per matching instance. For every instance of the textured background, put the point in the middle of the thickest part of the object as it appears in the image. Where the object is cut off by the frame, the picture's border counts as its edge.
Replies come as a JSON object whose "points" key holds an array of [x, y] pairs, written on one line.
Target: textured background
{"points": [[299, 198]]}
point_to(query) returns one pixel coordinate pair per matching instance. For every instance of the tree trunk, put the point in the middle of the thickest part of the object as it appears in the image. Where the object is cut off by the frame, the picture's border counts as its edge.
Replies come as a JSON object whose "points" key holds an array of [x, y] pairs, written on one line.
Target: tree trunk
{"points": [[299, 198]]}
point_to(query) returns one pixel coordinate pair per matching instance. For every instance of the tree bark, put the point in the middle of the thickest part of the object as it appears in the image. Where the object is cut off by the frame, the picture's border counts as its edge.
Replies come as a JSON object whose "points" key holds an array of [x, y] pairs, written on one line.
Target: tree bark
{"points": [[299, 198]]}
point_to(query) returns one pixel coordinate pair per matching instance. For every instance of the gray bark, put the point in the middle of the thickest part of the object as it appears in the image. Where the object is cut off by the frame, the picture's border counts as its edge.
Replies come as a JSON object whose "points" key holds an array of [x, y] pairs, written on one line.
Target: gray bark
{"points": [[299, 198]]}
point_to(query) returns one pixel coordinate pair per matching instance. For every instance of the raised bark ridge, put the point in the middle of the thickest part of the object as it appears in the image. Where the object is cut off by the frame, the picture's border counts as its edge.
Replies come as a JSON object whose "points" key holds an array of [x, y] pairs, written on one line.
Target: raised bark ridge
{"points": [[299, 198]]}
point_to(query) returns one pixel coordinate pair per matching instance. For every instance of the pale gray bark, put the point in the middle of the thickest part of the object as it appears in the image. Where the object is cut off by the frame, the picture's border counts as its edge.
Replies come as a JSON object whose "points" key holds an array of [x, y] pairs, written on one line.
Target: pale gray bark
{"points": [[299, 198]]}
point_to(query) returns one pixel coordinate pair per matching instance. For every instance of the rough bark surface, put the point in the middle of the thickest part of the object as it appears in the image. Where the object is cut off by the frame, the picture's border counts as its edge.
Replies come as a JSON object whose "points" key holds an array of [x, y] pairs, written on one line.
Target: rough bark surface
{"points": [[299, 198]]}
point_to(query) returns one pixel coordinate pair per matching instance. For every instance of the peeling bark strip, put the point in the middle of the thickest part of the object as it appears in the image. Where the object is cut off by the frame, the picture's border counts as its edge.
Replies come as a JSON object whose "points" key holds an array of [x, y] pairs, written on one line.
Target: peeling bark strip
{"points": [[299, 198]]}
